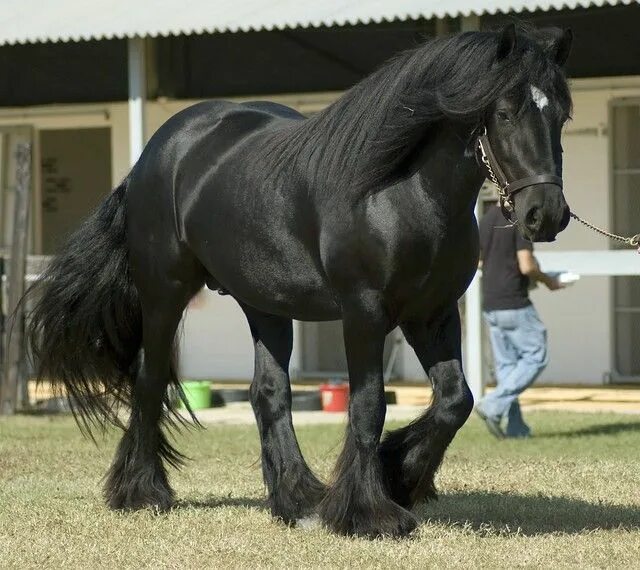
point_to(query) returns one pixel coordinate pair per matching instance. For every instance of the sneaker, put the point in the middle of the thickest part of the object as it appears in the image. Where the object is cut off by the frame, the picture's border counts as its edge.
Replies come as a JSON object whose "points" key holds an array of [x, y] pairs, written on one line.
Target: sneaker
{"points": [[524, 433], [492, 424]]}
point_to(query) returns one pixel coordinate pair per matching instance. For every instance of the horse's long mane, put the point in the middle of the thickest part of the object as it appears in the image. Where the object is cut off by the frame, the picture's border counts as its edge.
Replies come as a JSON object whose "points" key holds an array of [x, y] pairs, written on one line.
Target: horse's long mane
{"points": [[364, 138]]}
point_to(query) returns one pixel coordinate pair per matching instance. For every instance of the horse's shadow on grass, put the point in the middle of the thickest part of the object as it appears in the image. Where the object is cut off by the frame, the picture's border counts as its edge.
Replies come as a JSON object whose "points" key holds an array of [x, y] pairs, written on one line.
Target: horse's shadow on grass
{"points": [[599, 429], [489, 513], [493, 513], [214, 502]]}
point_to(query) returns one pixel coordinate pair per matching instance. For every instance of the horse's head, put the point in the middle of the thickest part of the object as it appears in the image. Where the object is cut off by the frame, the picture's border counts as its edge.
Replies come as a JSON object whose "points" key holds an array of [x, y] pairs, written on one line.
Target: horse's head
{"points": [[520, 145]]}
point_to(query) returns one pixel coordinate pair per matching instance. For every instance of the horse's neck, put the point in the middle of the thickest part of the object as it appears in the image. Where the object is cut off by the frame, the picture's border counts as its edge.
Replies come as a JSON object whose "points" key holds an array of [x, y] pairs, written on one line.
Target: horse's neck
{"points": [[448, 171], [361, 141]]}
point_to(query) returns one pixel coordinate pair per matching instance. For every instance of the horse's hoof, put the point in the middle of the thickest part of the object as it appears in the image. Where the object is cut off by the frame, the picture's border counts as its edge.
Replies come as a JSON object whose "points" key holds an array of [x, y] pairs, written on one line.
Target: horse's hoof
{"points": [[158, 504], [408, 483], [138, 493], [399, 525], [383, 520], [298, 499]]}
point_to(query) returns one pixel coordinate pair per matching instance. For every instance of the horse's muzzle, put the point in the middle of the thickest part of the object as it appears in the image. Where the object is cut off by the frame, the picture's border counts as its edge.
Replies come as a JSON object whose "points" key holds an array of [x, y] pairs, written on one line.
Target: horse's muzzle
{"points": [[540, 224]]}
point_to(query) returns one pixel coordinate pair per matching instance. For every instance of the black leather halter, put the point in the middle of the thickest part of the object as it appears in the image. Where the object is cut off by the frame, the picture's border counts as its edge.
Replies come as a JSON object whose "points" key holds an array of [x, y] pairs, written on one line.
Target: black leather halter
{"points": [[489, 164]]}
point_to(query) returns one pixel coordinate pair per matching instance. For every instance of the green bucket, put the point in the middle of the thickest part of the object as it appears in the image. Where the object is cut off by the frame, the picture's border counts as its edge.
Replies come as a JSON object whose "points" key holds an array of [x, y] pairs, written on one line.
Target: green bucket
{"points": [[197, 393]]}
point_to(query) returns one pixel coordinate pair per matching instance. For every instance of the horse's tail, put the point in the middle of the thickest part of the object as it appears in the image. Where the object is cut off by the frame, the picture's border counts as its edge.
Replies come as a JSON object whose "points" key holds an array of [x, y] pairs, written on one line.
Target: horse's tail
{"points": [[85, 329]]}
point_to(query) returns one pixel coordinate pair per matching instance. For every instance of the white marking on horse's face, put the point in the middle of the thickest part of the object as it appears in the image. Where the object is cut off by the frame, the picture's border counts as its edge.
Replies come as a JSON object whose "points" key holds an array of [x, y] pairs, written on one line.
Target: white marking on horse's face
{"points": [[539, 98]]}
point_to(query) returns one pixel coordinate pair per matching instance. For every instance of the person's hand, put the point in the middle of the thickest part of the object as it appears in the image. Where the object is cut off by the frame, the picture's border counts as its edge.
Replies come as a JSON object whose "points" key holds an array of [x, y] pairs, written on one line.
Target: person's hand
{"points": [[553, 284]]}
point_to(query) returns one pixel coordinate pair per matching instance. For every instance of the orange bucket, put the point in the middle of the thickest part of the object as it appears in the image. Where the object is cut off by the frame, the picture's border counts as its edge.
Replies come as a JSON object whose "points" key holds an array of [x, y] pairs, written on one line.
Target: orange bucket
{"points": [[335, 397]]}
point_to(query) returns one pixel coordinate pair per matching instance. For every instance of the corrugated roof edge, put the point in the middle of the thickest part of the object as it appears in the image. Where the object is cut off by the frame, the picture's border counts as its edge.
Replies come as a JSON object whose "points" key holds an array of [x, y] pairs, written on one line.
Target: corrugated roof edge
{"points": [[335, 21]]}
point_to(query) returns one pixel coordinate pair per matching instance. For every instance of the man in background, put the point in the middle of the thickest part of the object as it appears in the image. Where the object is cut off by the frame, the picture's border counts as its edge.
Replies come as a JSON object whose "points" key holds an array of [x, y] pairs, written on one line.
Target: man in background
{"points": [[518, 336]]}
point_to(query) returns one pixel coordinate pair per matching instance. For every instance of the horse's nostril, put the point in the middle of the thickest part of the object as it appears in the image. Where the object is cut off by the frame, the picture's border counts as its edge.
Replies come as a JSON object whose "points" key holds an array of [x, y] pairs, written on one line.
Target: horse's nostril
{"points": [[533, 219]]}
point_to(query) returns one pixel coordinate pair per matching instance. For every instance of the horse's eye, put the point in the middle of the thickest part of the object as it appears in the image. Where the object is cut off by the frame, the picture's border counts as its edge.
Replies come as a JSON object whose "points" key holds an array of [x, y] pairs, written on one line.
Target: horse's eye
{"points": [[503, 115]]}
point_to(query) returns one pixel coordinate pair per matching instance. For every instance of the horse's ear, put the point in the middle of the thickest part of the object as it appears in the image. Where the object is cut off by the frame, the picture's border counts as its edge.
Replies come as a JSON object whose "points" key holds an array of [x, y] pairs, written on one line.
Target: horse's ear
{"points": [[563, 47], [556, 43], [506, 42]]}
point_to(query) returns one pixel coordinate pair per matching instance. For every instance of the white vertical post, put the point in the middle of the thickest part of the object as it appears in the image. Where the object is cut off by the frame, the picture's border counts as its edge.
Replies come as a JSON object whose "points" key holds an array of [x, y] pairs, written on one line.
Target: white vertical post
{"points": [[295, 362], [473, 333], [473, 300], [137, 97]]}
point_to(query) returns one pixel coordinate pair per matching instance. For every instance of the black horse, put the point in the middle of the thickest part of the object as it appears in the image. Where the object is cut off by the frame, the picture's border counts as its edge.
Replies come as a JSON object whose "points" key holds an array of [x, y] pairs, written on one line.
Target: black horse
{"points": [[364, 212]]}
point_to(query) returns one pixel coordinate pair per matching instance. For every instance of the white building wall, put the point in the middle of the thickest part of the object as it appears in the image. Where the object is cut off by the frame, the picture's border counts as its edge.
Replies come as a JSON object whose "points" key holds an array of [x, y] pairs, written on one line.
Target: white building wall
{"points": [[216, 341], [579, 318], [410, 367]]}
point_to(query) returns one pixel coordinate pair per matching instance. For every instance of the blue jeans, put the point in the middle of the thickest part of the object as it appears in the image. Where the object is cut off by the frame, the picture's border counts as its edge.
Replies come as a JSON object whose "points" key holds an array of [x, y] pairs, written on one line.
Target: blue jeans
{"points": [[519, 342]]}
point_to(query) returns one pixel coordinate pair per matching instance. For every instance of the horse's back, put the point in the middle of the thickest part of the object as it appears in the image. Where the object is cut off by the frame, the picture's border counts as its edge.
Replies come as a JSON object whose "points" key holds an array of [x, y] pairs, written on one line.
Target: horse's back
{"points": [[275, 109], [182, 131], [178, 155], [193, 142]]}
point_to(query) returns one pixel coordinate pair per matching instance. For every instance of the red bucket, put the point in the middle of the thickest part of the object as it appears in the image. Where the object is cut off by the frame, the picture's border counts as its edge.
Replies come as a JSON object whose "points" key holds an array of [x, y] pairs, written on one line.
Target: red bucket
{"points": [[335, 397]]}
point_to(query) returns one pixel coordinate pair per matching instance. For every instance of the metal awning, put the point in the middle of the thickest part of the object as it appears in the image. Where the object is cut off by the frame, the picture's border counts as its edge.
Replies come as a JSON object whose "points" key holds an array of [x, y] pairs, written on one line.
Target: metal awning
{"points": [[32, 21]]}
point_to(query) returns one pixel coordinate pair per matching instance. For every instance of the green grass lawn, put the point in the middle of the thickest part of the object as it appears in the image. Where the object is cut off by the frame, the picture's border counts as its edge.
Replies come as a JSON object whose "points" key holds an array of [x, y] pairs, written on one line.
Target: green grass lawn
{"points": [[568, 497]]}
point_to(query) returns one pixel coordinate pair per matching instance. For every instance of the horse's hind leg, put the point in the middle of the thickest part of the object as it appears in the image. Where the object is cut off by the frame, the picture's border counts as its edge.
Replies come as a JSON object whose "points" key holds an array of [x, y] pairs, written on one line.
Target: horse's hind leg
{"points": [[137, 477], [293, 490], [412, 455]]}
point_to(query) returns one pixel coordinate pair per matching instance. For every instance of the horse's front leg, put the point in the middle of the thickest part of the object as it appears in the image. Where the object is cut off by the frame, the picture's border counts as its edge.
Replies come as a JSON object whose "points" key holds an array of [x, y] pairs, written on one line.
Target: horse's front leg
{"points": [[358, 502], [412, 455]]}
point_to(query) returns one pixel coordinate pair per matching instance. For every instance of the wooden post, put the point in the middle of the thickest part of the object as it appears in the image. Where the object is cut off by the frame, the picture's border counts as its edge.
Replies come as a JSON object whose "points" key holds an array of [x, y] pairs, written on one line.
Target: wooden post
{"points": [[14, 351]]}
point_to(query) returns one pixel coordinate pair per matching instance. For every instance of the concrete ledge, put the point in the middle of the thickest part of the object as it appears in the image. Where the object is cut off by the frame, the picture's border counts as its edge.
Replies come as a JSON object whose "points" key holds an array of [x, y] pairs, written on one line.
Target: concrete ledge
{"points": [[410, 398]]}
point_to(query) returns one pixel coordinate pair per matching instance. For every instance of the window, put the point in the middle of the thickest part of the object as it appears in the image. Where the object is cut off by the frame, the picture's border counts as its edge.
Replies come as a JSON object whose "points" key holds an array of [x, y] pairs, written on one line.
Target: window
{"points": [[625, 123]]}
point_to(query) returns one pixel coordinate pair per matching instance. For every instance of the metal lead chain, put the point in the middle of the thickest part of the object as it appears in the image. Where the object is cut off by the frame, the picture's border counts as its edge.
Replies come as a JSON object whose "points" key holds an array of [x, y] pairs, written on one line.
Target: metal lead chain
{"points": [[633, 241]]}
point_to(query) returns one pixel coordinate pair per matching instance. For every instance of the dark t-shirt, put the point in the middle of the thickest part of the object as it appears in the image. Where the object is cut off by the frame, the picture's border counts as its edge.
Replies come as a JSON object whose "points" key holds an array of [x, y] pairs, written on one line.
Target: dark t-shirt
{"points": [[503, 286]]}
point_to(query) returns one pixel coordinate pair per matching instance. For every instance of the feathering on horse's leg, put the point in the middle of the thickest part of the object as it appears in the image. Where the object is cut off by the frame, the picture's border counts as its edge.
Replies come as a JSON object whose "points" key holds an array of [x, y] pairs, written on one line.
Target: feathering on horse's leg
{"points": [[358, 502], [138, 477], [412, 455], [293, 490]]}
